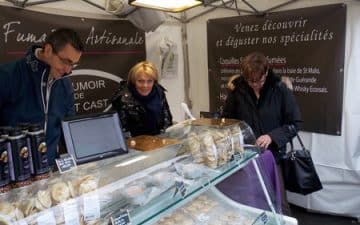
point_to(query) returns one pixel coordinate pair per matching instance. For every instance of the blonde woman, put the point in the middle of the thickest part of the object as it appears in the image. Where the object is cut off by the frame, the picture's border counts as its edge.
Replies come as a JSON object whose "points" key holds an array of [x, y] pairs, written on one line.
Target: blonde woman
{"points": [[141, 102]]}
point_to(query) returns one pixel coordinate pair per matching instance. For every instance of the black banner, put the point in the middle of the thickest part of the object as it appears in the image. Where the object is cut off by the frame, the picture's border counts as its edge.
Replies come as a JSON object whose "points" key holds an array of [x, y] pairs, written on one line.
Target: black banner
{"points": [[307, 45], [112, 47]]}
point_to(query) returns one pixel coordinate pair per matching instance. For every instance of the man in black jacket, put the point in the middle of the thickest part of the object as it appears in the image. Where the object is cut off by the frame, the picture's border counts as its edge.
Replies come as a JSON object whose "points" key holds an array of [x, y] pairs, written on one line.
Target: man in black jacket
{"points": [[35, 88]]}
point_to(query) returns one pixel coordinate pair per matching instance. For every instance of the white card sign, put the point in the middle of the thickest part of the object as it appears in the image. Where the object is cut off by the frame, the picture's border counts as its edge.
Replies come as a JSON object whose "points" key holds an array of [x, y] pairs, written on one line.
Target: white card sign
{"points": [[65, 163], [121, 218]]}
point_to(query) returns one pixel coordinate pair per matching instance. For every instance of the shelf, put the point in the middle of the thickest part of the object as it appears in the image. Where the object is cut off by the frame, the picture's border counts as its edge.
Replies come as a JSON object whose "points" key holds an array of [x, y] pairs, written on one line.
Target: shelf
{"points": [[167, 202], [119, 172], [147, 185], [214, 208], [253, 212]]}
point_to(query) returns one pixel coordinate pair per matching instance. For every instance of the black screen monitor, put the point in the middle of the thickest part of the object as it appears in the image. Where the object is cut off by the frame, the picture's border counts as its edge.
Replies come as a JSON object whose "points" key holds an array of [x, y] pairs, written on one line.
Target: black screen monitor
{"points": [[93, 137]]}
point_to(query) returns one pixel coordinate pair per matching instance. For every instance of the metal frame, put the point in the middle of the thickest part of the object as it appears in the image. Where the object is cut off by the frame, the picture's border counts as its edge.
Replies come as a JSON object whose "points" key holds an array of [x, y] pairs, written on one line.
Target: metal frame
{"points": [[26, 3], [102, 8], [233, 5], [278, 220], [230, 5], [93, 4]]}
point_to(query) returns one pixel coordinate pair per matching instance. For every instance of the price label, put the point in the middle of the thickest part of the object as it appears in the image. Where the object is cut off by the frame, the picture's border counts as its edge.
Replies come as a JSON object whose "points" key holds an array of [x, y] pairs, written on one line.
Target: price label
{"points": [[46, 218], [71, 213], [180, 188], [66, 163], [241, 139], [262, 219], [22, 222], [121, 218], [203, 217], [91, 207]]}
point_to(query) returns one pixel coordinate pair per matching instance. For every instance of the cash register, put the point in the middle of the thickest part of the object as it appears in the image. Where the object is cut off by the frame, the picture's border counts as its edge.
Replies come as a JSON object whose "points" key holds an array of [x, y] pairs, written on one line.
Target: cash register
{"points": [[93, 137]]}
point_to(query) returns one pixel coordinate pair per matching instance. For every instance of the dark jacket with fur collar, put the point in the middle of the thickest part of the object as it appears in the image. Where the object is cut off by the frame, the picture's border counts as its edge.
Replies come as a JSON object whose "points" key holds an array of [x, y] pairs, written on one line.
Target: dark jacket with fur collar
{"points": [[133, 114], [271, 114]]}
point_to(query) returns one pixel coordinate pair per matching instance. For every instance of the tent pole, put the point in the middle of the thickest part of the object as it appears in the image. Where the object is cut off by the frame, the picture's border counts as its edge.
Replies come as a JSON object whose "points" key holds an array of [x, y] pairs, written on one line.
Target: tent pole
{"points": [[186, 61], [251, 6]]}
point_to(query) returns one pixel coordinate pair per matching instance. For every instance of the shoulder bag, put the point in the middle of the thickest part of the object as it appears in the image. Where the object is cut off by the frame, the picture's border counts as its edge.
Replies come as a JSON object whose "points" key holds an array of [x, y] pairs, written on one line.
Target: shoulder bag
{"points": [[299, 171]]}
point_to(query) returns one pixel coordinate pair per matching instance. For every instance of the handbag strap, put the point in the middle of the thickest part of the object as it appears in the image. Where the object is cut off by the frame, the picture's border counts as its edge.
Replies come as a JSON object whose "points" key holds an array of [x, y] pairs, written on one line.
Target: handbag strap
{"points": [[292, 128]]}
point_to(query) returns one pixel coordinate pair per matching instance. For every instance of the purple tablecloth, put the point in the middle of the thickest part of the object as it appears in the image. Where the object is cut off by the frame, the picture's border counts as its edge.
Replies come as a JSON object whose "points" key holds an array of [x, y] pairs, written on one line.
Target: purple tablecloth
{"points": [[244, 186]]}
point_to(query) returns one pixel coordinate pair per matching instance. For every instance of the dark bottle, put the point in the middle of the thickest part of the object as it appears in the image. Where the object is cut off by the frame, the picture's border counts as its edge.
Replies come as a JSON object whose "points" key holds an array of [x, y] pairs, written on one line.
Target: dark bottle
{"points": [[38, 151], [24, 127], [20, 156], [6, 168], [4, 131]]}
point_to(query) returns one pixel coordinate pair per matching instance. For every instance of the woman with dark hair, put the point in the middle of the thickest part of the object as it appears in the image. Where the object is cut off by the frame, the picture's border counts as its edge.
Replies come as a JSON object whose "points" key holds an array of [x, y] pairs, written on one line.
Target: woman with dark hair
{"points": [[141, 102], [262, 100]]}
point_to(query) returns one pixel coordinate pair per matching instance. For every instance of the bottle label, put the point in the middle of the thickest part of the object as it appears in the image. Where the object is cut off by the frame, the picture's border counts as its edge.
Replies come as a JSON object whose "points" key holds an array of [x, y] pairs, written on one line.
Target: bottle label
{"points": [[21, 159], [4, 164]]}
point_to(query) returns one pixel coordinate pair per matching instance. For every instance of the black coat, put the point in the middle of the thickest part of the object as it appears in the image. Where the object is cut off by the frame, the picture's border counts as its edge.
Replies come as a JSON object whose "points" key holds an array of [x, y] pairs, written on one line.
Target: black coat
{"points": [[133, 114], [271, 114]]}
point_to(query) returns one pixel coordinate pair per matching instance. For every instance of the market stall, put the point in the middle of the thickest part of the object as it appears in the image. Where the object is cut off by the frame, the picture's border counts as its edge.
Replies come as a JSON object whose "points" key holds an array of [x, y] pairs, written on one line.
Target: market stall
{"points": [[336, 156], [168, 180]]}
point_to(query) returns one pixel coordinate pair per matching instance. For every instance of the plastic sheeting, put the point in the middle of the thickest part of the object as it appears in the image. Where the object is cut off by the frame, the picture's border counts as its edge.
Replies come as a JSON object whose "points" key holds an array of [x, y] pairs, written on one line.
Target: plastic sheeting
{"points": [[244, 185], [337, 158]]}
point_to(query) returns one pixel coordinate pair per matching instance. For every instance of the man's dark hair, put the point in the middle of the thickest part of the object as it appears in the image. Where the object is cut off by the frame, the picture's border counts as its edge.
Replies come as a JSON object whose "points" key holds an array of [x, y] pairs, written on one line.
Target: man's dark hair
{"points": [[63, 36]]}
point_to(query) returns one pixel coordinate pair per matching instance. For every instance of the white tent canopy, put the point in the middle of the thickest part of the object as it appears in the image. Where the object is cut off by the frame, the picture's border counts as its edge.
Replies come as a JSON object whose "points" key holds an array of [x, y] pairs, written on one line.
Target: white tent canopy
{"points": [[337, 158]]}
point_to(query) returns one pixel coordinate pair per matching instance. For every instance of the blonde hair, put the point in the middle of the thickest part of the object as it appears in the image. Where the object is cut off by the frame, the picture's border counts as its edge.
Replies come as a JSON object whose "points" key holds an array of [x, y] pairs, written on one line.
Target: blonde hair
{"points": [[145, 67], [286, 80], [230, 84]]}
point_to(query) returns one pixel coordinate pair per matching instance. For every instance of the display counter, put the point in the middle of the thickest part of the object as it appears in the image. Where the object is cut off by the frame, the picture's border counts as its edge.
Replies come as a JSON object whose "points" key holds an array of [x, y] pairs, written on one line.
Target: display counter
{"points": [[169, 200], [142, 188], [119, 184]]}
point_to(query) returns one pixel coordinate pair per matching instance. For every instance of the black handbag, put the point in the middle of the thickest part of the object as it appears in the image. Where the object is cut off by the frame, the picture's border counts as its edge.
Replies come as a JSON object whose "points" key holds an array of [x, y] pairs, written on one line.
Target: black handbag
{"points": [[299, 171]]}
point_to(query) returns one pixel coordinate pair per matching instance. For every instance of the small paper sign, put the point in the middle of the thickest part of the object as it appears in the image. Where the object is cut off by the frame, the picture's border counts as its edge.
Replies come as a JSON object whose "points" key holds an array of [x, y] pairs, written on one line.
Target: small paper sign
{"points": [[66, 163], [180, 188], [121, 218], [203, 217], [21, 222], [262, 219], [46, 218], [71, 213], [91, 207]]}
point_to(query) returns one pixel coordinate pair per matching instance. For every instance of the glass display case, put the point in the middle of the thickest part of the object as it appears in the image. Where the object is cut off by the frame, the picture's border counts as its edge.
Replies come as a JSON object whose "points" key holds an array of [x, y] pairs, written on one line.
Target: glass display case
{"points": [[148, 187], [214, 208]]}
